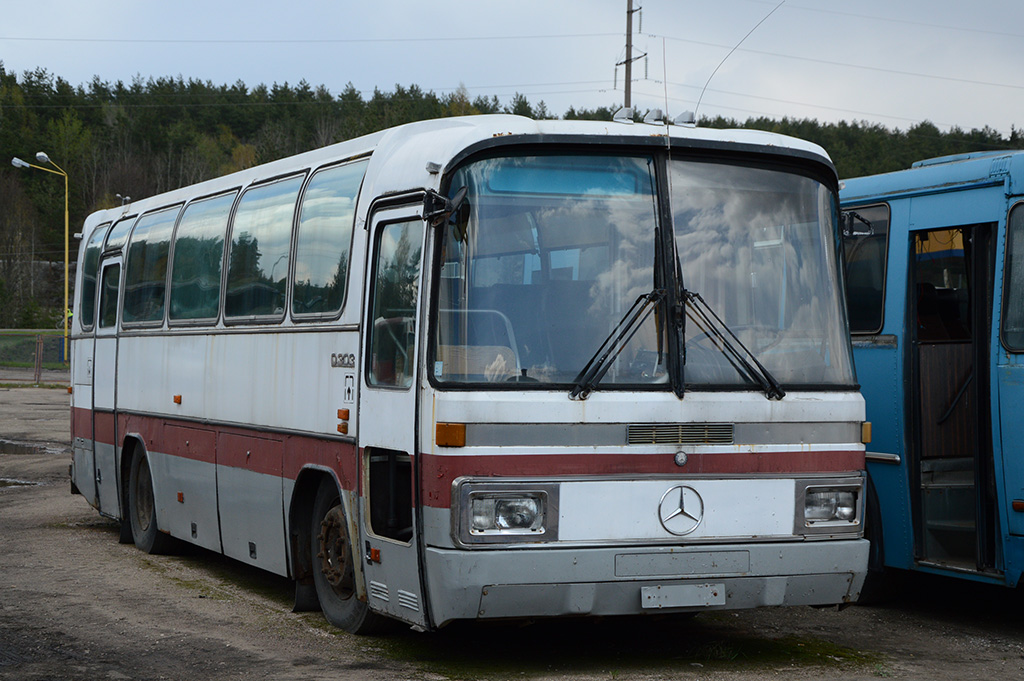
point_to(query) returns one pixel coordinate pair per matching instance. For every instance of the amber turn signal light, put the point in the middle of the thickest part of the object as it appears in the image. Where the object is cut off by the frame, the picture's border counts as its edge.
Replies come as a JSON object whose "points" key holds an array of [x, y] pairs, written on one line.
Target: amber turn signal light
{"points": [[451, 435]]}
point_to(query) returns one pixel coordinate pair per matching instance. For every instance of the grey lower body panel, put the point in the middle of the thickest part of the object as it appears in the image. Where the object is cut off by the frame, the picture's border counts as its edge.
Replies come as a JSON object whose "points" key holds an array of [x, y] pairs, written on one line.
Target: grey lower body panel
{"points": [[553, 582]]}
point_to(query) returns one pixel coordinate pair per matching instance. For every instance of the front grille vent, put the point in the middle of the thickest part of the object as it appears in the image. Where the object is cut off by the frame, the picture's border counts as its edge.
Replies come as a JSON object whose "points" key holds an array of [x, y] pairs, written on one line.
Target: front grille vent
{"points": [[679, 434]]}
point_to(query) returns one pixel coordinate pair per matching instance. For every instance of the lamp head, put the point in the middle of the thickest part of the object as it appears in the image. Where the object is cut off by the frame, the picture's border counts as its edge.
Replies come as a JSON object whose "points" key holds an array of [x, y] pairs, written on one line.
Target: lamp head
{"points": [[42, 157], [18, 163]]}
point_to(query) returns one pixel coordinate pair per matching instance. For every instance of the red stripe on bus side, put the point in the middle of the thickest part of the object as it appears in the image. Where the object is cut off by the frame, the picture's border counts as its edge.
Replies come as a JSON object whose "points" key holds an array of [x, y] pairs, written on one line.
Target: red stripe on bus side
{"points": [[275, 454], [438, 472], [81, 423], [286, 455], [105, 427], [249, 452]]}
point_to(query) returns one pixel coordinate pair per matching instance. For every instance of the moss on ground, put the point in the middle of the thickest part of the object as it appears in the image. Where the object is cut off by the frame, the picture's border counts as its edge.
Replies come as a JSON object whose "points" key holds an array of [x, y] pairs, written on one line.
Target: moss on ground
{"points": [[616, 647]]}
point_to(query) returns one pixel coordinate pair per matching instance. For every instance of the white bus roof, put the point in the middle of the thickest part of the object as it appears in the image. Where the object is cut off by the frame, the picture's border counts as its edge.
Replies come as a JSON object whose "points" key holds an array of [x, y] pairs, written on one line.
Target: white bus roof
{"points": [[401, 155]]}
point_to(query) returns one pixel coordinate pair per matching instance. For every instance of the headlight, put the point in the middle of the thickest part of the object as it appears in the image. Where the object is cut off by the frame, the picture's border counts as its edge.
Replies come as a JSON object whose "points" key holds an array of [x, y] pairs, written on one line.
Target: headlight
{"points": [[824, 505], [494, 513], [507, 513]]}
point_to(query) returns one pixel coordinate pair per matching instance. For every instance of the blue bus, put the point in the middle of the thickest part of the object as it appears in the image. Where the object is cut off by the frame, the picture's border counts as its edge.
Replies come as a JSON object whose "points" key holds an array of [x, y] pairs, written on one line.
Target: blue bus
{"points": [[935, 293]]}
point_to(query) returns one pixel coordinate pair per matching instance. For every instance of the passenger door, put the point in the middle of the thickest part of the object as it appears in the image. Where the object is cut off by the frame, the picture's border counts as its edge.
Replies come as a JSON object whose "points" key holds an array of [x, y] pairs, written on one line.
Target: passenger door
{"points": [[106, 446], [1010, 372], [950, 284], [82, 350], [389, 527]]}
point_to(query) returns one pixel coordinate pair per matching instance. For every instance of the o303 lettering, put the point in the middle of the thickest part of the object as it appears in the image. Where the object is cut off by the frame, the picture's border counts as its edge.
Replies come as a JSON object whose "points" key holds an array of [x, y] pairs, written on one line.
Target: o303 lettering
{"points": [[343, 360]]}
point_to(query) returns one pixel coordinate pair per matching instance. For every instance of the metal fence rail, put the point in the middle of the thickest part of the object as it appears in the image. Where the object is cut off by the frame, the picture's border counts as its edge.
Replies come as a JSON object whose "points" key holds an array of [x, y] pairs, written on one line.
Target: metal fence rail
{"points": [[31, 354]]}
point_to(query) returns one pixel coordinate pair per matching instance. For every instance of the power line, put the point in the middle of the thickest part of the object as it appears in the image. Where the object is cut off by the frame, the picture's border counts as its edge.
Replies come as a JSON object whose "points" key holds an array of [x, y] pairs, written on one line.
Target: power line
{"points": [[792, 102], [307, 41], [893, 20], [843, 64]]}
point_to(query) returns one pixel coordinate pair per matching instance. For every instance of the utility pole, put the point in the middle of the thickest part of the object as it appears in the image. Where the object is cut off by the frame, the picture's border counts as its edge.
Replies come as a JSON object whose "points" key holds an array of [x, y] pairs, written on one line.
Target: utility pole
{"points": [[629, 52], [628, 61]]}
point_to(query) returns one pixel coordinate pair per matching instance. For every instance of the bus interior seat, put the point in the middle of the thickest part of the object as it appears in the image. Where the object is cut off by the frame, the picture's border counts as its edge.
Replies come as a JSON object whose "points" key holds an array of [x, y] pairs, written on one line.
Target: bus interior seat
{"points": [[520, 305], [576, 333], [487, 351]]}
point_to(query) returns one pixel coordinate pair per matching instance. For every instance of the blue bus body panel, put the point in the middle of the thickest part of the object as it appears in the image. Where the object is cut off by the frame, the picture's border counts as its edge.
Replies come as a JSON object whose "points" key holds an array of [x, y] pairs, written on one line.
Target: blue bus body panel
{"points": [[966, 190], [879, 369]]}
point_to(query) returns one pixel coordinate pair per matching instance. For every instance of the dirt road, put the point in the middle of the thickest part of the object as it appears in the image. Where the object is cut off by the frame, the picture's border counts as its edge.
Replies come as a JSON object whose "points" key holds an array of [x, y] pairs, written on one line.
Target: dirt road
{"points": [[75, 604]]}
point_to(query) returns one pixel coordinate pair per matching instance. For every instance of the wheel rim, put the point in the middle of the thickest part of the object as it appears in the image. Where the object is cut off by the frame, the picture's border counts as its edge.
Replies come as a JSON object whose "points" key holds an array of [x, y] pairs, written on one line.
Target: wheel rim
{"points": [[334, 553], [143, 496]]}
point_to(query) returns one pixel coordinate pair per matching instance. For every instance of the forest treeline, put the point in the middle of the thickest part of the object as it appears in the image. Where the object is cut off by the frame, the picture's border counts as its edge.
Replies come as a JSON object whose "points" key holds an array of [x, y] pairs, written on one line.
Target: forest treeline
{"points": [[155, 134]]}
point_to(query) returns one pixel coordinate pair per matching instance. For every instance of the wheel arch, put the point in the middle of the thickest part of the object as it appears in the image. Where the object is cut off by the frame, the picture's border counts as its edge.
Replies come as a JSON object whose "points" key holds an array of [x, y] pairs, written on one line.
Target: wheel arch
{"points": [[300, 538], [300, 515], [131, 444]]}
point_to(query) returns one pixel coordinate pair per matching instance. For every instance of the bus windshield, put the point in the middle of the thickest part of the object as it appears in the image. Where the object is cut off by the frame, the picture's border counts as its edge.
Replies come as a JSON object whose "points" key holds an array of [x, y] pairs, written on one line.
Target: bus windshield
{"points": [[759, 245], [548, 254]]}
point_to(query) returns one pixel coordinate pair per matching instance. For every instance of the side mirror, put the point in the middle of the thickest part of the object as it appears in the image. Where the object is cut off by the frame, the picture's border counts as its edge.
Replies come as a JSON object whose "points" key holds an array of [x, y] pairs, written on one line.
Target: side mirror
{"points": [[849, 219], [438, 209]]}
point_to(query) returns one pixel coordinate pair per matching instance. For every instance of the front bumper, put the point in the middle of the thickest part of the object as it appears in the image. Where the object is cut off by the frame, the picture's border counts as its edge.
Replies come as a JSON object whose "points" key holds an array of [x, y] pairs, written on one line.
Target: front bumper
{"points": [[625, 580]]}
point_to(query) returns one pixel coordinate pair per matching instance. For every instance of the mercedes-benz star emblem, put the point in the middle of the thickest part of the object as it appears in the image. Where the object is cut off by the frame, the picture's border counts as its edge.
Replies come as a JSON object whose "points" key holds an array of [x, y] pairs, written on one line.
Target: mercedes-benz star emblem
{"points": [[681, 510]]}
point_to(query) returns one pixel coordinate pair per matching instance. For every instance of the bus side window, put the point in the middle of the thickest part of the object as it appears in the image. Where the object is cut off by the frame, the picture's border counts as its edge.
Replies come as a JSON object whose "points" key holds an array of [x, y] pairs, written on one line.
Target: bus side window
{"points": [[146, 267], [395, 296], [108, 296], [90, 268], [324, 240], [866, 244], [197, 259], [1013, 282], [260, 242]]}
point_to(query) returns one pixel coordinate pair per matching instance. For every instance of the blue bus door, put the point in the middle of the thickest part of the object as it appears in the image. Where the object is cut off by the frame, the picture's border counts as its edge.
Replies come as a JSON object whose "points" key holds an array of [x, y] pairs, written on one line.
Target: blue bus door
{"points": [[949, 325]]}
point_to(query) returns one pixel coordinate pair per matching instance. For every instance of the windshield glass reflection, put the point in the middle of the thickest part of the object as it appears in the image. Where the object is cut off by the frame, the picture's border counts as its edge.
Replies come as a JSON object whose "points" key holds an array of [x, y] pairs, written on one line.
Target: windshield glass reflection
{"points": [[759, 246], [548, 253]]}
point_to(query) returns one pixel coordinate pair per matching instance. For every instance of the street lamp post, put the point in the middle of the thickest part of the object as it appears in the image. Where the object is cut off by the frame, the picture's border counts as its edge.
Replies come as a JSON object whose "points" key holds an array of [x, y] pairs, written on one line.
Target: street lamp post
{"points": [[43, 158]]}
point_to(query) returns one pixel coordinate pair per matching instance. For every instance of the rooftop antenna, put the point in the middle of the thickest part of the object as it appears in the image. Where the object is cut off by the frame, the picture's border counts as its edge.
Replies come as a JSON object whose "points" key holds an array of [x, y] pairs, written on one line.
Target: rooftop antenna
{"points": [[696, 108]]}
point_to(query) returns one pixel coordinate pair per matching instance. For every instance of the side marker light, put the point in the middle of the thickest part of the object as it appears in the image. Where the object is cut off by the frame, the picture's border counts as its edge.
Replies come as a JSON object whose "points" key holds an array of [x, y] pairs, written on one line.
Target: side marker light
{"points": [[450, 435]]}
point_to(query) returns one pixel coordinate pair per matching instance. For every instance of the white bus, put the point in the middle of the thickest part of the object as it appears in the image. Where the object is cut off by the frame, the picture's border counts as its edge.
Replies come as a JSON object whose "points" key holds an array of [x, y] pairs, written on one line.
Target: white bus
{"points": [[485, 367]]}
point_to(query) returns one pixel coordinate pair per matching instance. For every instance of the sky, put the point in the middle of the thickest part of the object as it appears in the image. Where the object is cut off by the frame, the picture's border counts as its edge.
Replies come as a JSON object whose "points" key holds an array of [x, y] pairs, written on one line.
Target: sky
{"points": [[891, 62]]}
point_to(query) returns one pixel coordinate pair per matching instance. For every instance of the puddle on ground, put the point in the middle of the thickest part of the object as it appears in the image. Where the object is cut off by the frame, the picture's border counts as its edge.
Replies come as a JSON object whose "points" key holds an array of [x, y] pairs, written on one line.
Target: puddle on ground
{"points": [[8, 447], [11, 482]]}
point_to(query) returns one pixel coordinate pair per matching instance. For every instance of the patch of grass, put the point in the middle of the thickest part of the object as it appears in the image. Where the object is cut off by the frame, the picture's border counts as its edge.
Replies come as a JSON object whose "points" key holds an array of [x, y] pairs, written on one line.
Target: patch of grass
{"points": [[274, 588], [495, 651], [201, 587], [224, 571], [26, 384], [32, 365]]}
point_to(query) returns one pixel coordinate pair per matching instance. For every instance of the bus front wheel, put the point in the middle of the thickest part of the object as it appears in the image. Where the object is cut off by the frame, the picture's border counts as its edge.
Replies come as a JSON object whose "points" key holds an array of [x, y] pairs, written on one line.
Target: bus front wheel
{"points": [[333, 570]]}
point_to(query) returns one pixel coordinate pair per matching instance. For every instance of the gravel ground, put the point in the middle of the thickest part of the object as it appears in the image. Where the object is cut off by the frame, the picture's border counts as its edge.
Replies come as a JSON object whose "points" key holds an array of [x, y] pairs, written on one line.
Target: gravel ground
{"points": [[75, 604]]}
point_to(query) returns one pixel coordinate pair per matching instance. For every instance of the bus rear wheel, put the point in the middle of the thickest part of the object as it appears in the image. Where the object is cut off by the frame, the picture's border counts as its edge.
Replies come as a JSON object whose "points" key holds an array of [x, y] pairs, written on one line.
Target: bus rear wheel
{"points": [[333, 570], [142, 508]]}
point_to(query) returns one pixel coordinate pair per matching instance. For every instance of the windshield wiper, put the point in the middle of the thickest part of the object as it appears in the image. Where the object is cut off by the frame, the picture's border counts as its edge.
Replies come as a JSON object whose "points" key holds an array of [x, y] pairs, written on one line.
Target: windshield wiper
{"points": [[717, 329], [612, 346]]}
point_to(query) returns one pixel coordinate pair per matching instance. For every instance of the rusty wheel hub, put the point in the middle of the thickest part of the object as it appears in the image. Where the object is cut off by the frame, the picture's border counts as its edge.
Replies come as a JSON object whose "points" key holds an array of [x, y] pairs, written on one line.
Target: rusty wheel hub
{"points": [[334, 551]]}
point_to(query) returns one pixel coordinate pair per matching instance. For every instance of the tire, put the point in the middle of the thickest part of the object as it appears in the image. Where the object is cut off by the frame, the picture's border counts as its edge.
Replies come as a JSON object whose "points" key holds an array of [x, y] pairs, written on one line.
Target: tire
{"points": [[333, 572], [142, 509]]}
